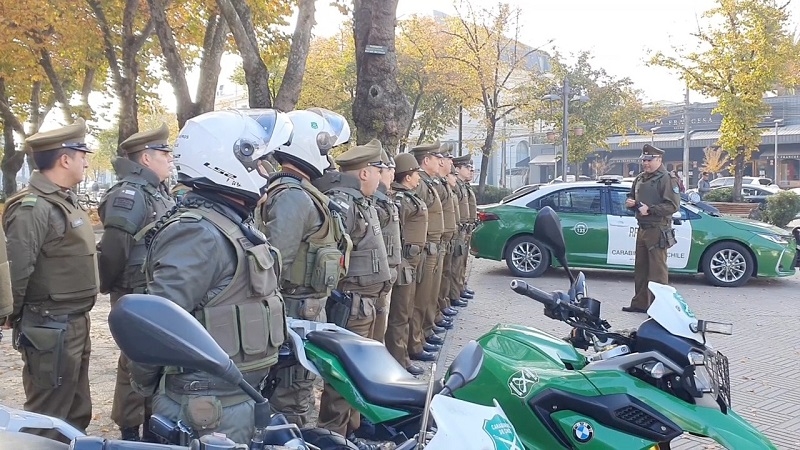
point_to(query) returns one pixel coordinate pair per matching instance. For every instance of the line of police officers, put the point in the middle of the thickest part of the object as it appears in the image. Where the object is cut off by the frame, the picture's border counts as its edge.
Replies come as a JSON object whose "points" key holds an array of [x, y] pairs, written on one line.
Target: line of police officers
{"points": [[379, 246]]}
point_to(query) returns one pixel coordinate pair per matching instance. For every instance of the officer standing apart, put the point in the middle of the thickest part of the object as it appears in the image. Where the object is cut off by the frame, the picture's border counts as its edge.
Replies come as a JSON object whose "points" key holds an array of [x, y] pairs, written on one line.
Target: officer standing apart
{"points": [[655, 197], [390, 226], [413, 215], [134, 203], [368, 275], [209, 258], [54, 278], [296, 217]]}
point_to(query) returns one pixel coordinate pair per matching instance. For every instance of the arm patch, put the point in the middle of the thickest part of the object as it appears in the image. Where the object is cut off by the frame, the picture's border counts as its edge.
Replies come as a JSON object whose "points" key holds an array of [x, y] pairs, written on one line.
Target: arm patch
{"points": [[123, 202]]}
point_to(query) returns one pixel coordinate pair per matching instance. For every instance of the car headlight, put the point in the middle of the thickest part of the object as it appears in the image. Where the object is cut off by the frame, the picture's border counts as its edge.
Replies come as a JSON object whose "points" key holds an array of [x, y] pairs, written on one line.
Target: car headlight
{"points": [[774, 238]]}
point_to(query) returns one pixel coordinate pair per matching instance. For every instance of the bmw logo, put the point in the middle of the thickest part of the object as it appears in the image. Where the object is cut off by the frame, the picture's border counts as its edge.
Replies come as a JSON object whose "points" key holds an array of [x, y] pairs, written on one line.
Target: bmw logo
{"points": [[583, 432]]}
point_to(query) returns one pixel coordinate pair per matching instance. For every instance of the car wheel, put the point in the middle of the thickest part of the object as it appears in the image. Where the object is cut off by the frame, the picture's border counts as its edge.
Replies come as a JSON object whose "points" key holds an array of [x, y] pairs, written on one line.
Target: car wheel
{"points": [[527, 257], [727, 264]]}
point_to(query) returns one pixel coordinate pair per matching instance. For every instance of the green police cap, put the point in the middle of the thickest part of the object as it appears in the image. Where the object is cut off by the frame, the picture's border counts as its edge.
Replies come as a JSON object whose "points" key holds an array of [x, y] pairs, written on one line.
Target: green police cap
{"points": [[151, 139], [465, 160], [446, 150], [405, 162], [70, 136], [387, 159], [649, 152], [427, 149], [361, 156]]}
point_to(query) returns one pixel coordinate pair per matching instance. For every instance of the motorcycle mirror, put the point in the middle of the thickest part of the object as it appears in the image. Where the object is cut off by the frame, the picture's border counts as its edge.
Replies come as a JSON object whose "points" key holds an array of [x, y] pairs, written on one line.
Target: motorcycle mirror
{"points": [[547, 228], [153, 330], [465, 366]]}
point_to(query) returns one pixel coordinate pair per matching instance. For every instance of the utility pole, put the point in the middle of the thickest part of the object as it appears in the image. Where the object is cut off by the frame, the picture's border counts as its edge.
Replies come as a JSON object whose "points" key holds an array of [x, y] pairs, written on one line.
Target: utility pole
{"points": [[460, 129], [565, 92], [686, 168]]}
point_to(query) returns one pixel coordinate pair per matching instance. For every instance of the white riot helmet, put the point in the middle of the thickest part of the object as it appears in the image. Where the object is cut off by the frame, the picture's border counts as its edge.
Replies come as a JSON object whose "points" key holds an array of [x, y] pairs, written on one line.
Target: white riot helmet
{"points": [[220, 150], [316, 131]]}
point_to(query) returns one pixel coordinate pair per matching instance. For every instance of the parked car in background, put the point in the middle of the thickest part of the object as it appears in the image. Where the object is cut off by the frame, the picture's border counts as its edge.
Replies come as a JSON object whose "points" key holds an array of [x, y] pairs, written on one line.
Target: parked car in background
{"points": [[601, 233], [765, 183], [570, 179]]}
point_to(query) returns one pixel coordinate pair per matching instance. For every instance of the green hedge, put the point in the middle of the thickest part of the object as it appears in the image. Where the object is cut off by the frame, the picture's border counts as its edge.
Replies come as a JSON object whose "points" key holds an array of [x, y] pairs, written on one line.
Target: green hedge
{"points": [[492, 194], [781, 208], [724, 194]]}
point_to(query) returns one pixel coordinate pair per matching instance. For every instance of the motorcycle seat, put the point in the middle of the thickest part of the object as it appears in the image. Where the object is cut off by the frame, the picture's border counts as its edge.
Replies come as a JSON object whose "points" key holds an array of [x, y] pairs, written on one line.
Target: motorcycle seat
{"points": [[377, 375]]}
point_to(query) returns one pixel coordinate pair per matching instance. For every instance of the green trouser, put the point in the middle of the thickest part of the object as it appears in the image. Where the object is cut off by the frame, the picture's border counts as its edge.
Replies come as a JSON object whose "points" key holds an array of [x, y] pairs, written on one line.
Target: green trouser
{"points": [[381, 316], [447, 269], [650, 264], [335, 413], [401, 310], [458, 267], [57, 386], [294, 393], [129, 408]]}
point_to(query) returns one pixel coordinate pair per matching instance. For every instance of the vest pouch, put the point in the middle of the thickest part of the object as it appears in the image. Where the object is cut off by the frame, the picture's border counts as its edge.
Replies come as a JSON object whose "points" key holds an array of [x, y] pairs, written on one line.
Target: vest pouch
{"points": [[405, 274], [44, 346], [327, 270], [254, 323], [223, 325], [260, 264], [277, 324]]}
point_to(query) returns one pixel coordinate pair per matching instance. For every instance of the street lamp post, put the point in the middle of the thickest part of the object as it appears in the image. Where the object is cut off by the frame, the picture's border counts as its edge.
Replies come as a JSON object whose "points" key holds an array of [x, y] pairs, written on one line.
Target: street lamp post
{"points": [[775, 162], [565, 97], [653, 135]]}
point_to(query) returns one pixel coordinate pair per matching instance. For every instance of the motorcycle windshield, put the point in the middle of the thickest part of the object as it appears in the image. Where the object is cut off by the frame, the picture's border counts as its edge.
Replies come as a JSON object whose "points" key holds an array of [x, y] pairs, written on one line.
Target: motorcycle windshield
{"points": [[672, 312]]}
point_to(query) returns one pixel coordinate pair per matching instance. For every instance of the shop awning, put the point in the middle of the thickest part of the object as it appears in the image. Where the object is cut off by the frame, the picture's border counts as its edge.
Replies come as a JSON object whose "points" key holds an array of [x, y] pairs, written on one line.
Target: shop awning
{"points": [[544, 160], [783, 153]]}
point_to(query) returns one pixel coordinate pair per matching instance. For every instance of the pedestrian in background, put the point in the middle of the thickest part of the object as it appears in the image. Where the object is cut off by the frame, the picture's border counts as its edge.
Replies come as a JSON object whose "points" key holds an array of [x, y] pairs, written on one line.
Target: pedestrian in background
{"points": [[703, 186]]}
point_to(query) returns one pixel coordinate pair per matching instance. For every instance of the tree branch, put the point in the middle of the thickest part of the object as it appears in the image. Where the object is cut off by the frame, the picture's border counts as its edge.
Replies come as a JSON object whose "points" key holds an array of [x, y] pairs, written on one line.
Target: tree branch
{"points": [[172, 57], [108, 43], [292, 82], [55, 83], [213, 48]]}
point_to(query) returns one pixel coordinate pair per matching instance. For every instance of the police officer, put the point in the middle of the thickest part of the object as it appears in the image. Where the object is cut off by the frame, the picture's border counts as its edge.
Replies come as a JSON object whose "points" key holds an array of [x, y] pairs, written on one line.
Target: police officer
{"points": [[296, 217], [134, 203], [390, 226], [450, 216], [422, 328], [209, 258], [6, 298], [468, 215], [655, 197], [413, 215], [454, 292], [368, 276], [54, 278]]}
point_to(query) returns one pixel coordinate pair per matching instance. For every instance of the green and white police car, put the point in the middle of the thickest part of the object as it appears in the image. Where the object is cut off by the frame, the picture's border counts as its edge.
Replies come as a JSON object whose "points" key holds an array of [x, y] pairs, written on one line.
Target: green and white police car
{"points": [[601, 233]]}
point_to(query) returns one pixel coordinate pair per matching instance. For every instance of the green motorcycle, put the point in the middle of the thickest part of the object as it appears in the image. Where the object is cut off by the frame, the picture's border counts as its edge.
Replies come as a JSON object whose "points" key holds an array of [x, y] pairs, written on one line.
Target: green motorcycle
{"points": [[639, 390]]}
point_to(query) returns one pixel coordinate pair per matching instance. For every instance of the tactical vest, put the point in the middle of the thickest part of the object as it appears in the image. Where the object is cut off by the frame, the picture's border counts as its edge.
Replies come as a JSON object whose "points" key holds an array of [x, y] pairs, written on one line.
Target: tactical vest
{"points": [[390, 226], [323, 259], [473, 203], [448, 211], [156, 204], [246, 318], [415, 224], [463, 202], [369, 263], [66, 269], [427, 191], [647, 190]]}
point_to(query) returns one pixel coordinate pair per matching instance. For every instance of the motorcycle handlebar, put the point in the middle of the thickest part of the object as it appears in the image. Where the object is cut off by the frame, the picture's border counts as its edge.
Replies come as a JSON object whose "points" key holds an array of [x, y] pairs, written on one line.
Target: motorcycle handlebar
{"points": [[523, 288], [547, 299]]}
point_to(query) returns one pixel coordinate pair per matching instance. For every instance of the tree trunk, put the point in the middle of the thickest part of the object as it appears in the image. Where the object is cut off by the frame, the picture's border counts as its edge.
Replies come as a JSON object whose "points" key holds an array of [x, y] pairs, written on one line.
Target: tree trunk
{"points": [[256, 75], [738, 164], [124, 72], [380, 109], [213, 43], [486, 151], [410, 125], [292, 83]]}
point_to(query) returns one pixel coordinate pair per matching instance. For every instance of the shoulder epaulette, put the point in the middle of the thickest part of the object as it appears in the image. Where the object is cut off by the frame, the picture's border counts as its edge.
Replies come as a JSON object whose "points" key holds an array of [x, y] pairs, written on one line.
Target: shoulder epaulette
{"points": [[29, 200]]}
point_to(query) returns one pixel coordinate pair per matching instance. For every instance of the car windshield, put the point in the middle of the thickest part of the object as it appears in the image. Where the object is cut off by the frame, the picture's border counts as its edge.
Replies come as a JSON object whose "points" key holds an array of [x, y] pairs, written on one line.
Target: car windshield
{"points": [[522, 192]]}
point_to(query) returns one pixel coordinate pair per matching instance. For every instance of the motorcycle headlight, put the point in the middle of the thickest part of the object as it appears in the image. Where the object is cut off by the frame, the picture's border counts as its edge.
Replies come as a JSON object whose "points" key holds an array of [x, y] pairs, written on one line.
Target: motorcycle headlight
{"points": [[696, 358]]}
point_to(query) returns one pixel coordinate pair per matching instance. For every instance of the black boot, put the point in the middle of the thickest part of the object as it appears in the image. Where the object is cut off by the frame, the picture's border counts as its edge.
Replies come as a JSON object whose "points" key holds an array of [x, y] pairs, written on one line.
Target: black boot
{"points": [[130, 434]]}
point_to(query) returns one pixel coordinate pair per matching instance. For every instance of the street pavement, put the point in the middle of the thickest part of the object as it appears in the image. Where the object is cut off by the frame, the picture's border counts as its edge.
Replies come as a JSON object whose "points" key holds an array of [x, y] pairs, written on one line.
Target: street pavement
{"points": [[763, 351]]}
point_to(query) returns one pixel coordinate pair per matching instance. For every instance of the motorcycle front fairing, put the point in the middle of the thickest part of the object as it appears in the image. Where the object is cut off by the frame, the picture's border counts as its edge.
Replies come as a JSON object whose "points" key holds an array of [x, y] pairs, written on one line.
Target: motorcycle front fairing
{"points": [[726, 428]]}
